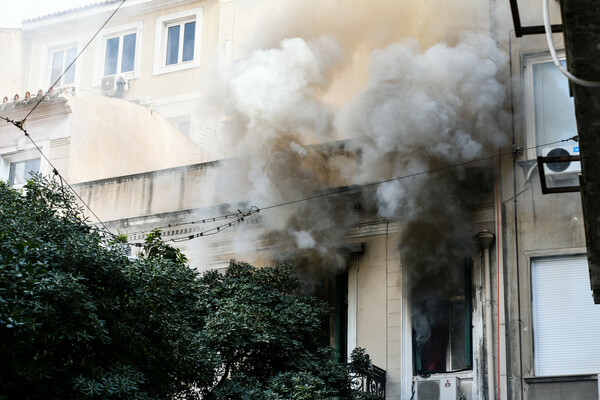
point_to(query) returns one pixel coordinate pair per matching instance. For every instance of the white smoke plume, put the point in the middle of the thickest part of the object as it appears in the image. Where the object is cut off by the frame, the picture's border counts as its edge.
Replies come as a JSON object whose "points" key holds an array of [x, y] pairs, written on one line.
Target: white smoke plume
{"points": [[425, 104]]}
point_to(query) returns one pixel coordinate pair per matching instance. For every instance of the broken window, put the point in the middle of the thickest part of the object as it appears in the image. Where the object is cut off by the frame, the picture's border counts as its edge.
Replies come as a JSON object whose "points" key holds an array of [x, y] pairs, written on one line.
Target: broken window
{"points": [[441, 320], [334, 291]]}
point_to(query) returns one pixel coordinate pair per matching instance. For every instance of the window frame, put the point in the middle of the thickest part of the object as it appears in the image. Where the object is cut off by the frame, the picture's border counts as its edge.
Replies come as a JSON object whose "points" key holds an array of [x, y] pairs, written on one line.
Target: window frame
{"points": [[163, 23], [548, 257], [100, 56], [528, 60], [27, 174], [19, 156], [51, 51]]}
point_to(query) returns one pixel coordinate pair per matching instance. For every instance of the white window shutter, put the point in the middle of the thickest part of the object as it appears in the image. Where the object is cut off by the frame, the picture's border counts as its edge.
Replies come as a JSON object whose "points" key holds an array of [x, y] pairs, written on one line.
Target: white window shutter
{"points": [[566, 321]]}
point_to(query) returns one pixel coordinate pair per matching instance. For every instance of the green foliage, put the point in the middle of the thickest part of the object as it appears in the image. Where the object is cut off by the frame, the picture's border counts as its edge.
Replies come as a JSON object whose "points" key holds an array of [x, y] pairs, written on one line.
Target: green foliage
{"points": [[154, 247], [269, 339], [80, 320]]}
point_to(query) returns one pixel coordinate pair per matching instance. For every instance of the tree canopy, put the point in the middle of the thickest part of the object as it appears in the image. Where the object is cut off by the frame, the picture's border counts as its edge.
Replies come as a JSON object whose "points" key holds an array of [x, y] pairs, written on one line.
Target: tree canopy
{"points": [[79, 319]]}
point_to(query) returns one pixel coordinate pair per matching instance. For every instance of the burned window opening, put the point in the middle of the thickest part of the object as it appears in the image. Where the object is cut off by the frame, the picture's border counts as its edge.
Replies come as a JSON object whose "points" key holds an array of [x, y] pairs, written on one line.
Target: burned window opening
{"points": [[334, 291], [442, 323]]}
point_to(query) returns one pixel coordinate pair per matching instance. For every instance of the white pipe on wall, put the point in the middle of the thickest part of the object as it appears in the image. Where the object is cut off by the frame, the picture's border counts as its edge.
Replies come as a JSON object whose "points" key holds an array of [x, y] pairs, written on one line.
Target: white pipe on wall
{"points": [[486, 239]]}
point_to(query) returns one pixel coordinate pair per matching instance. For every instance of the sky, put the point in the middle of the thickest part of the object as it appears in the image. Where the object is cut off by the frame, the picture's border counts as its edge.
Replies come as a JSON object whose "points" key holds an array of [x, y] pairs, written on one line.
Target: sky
{"points": [[14, 12]]}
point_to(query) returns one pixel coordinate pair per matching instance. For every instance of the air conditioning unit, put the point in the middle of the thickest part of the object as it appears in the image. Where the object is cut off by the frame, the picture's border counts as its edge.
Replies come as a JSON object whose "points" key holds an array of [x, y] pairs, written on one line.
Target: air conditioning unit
{"points": [[562, 167], [436, 388], [113, 86]]}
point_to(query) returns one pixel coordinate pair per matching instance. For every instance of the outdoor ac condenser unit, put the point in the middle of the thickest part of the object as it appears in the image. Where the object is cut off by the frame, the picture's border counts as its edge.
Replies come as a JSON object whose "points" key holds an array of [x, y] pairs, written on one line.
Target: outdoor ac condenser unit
{"points": [[113, 86], [563, 167], [109, 85], [436, 389]]}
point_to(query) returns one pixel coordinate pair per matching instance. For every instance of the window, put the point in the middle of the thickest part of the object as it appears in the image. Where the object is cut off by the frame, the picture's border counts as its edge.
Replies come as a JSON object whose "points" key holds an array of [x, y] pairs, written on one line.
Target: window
{"points": [[550, 108], [180, 47], [20, 171], [59, 62], [118, 52], [441, 321], [177, 43], [334, 292], [565, 326]]}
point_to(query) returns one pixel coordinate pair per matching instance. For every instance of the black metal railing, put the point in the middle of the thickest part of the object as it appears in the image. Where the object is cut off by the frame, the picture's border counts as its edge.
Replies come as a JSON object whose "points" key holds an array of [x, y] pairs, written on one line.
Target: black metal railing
{"points": [[372, 382]]}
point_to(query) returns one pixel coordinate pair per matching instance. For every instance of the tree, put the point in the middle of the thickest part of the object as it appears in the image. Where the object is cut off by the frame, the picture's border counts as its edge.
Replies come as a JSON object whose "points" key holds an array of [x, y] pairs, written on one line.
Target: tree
{"points": [[268, 338], [79, 319]]}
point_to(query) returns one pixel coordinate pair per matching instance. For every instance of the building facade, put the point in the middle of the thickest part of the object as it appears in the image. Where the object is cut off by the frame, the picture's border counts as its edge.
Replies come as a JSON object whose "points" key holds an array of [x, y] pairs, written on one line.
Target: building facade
{"points": [[395, 166]]}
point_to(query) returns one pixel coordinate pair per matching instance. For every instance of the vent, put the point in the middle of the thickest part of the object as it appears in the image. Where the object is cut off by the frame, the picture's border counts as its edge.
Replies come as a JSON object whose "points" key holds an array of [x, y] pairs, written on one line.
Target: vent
{"points": [[436, 389]]}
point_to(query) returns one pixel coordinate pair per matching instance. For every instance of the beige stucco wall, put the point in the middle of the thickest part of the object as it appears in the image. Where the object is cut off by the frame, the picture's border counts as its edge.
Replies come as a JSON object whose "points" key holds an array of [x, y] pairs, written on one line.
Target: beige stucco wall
{"points": [[112, 137], [10, 63], [41, 35]]}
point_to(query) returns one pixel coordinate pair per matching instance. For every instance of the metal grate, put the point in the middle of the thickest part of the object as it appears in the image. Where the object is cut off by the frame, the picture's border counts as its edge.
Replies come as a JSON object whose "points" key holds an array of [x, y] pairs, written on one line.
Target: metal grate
{"points": [[428, 390]]}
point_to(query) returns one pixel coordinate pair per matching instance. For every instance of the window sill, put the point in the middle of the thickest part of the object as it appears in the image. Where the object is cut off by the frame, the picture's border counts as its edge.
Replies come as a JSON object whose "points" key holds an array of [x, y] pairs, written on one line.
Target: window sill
{"points": [[561, 378], [165, 69]]}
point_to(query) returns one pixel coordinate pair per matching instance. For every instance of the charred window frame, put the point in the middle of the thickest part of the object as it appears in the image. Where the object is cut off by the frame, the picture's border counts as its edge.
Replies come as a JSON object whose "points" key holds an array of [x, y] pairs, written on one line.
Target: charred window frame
{"points": [[449, 346], [334, 291]]}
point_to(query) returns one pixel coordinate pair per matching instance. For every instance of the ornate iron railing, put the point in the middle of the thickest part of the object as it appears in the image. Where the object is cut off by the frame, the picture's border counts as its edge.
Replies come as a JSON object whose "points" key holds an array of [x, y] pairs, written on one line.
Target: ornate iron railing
{"points": [[372, 382]]}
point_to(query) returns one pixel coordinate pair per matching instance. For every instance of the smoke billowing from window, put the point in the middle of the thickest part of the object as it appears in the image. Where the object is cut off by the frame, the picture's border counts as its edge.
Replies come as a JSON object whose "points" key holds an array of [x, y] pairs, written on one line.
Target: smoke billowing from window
{"points": [[409, 87]]}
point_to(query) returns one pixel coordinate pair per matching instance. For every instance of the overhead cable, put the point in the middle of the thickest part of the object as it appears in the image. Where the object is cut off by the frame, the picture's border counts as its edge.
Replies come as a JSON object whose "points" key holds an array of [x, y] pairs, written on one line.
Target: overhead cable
{"points": [[20, 125], [74, 60], [570, 76], [213, 231]]}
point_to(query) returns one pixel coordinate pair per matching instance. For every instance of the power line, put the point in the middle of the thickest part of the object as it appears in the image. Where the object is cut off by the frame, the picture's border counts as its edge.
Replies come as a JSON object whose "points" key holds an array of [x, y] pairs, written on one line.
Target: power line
{"points": [[429, 171], [213, 231], [513, 152], [194, 222], [73, 62], [19, 124]]}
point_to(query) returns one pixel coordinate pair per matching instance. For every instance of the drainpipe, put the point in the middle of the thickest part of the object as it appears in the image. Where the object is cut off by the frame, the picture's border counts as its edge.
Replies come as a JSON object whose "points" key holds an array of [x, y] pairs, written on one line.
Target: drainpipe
{"points": [[486, 239]]}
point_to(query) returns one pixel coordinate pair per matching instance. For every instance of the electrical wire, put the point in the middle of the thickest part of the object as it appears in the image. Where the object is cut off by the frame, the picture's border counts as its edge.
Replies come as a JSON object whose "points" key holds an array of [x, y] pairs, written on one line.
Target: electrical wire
{"points": [[194, 222], [20, 125], [73, 62], [429, 171], [548, 30], [220, 228], [213, 231]]}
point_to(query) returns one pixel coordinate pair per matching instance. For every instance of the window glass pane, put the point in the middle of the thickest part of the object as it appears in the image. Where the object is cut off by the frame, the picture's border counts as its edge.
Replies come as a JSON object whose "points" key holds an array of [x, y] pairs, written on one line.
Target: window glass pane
{"points": [[565, 326], [128, 58], [20, 171], [184, 126], [554, 107], [69, 77], [112, 54], [173, 45], [188, 41], [57, 66]]}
